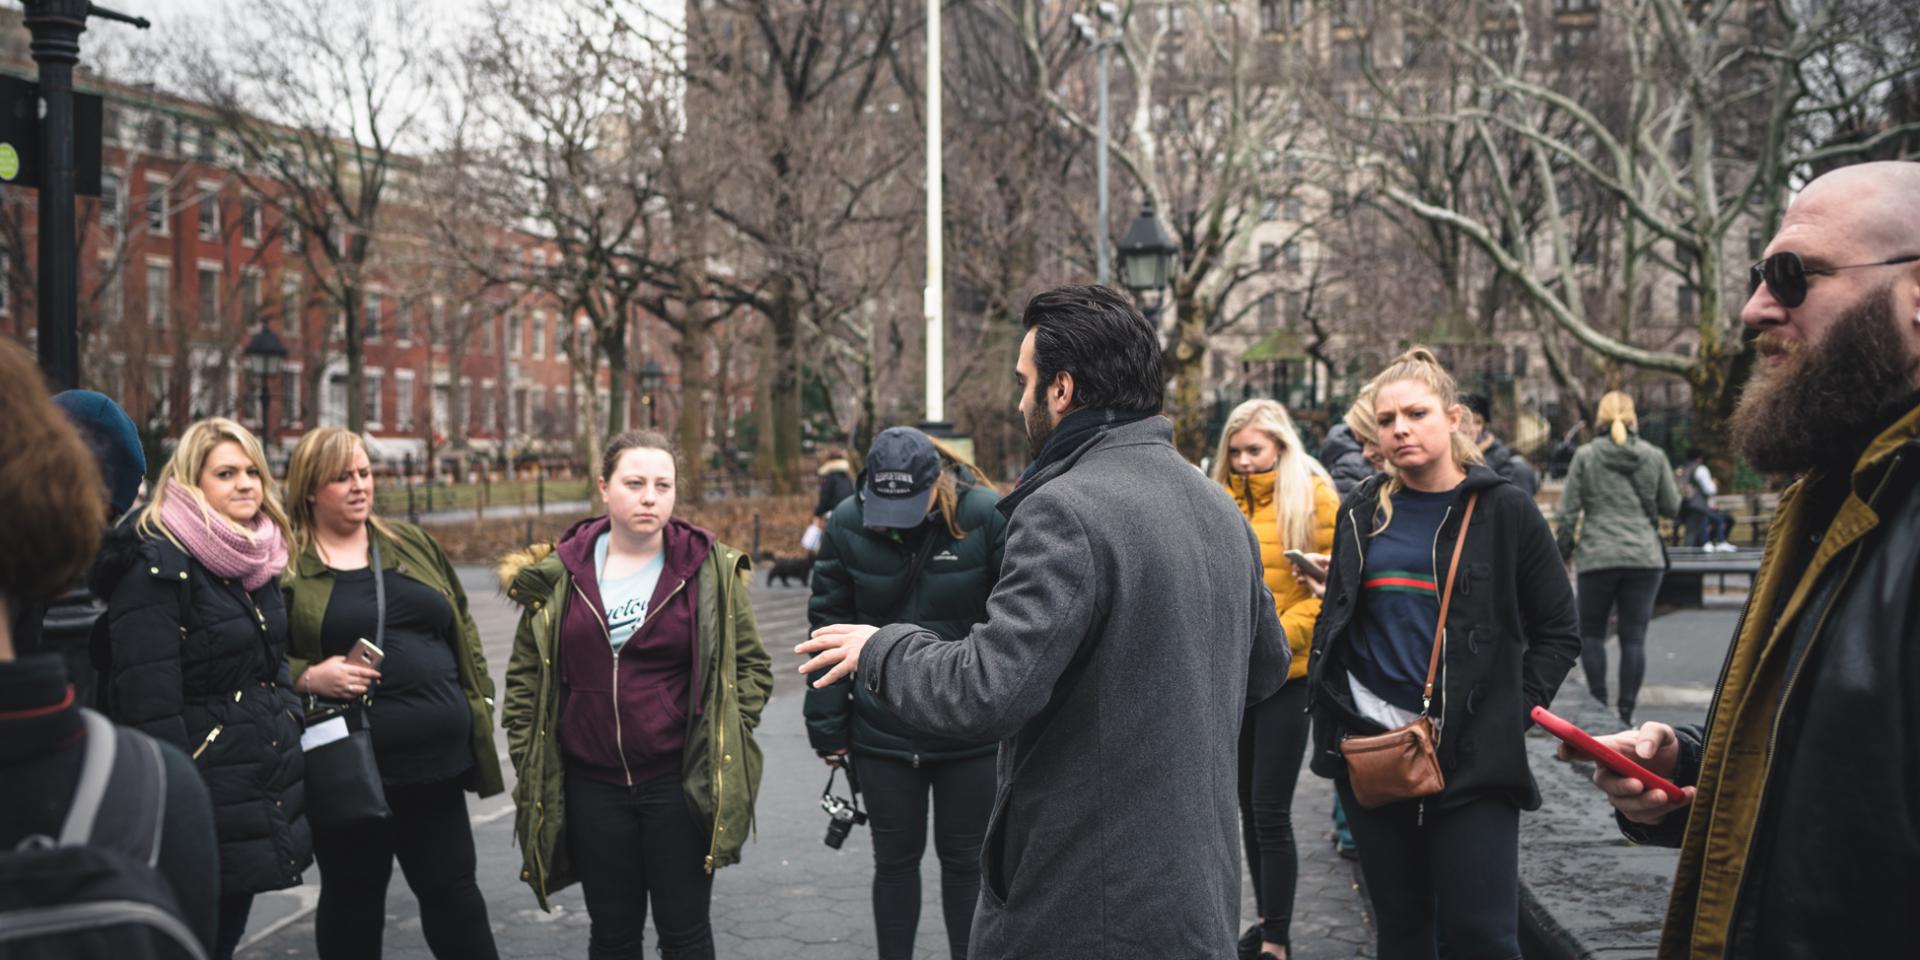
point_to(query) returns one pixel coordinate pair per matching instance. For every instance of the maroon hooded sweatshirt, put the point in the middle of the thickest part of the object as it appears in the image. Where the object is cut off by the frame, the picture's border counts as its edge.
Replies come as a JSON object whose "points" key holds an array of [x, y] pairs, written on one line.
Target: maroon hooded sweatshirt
{"points": [[623, 718]]}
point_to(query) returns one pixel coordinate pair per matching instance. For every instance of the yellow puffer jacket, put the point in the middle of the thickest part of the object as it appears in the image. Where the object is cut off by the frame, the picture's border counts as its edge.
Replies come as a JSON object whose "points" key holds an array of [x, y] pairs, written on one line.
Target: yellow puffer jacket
{"points": [[1297, 606]]}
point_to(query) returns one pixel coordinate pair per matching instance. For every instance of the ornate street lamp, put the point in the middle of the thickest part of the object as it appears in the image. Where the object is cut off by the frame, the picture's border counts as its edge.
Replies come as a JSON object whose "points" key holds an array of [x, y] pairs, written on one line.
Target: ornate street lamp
{"points": [[1146, 260], [651, 377], [266, 356]]}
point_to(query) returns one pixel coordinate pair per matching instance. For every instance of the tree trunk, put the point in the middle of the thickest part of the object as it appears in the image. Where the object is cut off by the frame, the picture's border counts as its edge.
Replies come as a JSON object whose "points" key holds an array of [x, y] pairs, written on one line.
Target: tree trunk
{"points": [[785, 329], [356, 361], [691, 355], [1187, 367]]}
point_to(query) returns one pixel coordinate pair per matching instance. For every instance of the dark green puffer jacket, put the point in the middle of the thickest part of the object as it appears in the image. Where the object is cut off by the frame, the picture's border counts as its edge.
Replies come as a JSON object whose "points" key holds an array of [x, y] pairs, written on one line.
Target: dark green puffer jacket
{"points": [[861, 576]]}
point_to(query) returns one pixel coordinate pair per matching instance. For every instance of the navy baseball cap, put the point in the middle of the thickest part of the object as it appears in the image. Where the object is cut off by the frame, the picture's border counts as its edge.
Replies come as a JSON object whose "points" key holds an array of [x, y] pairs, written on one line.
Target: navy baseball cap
{"points": [[902, 467]]}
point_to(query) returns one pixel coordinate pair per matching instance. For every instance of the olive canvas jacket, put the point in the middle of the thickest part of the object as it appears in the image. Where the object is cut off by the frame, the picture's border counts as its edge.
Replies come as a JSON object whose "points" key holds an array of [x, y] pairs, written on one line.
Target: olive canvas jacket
{"points": [[413, 554], [721, 763]]}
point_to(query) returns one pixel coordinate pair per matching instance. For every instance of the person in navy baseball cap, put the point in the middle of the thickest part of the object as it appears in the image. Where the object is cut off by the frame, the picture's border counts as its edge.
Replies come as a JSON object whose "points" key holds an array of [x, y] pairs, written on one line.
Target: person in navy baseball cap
{"points": [[897, 491]]}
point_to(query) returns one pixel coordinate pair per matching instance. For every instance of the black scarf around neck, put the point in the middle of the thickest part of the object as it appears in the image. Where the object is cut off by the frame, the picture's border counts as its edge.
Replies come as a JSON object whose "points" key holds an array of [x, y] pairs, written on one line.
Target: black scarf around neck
{"points": [[1074, 430]]}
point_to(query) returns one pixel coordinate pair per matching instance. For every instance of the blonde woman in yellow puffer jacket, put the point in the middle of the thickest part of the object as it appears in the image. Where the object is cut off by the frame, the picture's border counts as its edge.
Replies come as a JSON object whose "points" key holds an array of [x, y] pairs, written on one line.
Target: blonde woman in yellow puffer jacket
{"points": [[1289, 499]]}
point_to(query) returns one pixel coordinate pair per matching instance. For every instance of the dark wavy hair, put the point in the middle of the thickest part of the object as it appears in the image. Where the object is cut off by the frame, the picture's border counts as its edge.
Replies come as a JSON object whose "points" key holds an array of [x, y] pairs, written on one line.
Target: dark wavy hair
{"points": [[1097, 336], [51, 493]]}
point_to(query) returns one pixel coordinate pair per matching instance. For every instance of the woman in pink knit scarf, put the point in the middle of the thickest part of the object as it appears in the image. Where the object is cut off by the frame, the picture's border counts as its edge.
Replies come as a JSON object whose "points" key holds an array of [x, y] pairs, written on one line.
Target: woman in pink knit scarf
{"points": [[198, 632]]}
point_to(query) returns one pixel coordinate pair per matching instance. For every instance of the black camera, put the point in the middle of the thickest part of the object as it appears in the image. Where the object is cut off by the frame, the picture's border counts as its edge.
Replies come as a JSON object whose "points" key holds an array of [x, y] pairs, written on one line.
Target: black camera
{"points": [[842, 815]]}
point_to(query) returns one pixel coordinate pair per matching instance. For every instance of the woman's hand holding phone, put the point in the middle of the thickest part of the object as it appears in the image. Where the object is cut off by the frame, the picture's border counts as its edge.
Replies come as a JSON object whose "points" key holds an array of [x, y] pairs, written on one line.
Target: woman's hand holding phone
{"points": [[1310, 569], [1653, 746], [337, 678]]}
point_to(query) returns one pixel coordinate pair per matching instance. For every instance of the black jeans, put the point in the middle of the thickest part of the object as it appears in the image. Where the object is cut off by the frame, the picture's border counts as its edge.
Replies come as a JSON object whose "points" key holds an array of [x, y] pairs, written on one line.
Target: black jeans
{"points": [[431, 836], [634, 844], [1453, 880], [1273, 741], [896, 794], [234, 911], [1633, 592]]}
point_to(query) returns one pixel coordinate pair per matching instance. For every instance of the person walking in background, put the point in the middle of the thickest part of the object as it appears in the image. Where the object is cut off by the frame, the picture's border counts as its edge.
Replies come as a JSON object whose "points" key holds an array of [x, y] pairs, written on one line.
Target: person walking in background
{"points": [[635, 756], [66, 624], [1444, 868], [1476, 421], [1289, 500], [1706, 527], [1129, 631], [836, 484], [430, 714], [198, 634], [51, 494], [1618, 488], [920, 544], [1351, 452]]}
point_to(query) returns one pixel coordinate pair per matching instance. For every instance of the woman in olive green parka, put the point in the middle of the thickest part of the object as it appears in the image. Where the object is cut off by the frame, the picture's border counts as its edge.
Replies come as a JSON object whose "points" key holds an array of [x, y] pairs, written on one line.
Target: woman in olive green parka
{"points": [[716, 761]]}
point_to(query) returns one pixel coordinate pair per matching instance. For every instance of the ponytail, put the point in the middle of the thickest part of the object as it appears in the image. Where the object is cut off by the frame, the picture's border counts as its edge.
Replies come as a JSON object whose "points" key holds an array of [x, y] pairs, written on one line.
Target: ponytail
{"points": [[1617, 407]]}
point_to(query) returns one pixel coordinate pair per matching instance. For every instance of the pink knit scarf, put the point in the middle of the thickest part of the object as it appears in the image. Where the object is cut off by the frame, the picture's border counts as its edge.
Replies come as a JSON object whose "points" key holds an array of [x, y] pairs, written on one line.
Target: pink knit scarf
{"points": [[254, 557]]}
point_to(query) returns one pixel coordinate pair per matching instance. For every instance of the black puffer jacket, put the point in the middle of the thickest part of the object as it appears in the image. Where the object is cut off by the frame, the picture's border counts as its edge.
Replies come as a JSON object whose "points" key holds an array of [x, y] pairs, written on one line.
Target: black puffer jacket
{"points": [[200, 663], [1341, 455], [862, 576], [1511, 638]]}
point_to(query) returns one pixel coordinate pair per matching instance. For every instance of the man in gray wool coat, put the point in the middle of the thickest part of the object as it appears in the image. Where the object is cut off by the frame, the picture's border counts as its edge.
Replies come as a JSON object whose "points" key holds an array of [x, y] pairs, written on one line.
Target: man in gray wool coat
{"points": [[1128, 632]]}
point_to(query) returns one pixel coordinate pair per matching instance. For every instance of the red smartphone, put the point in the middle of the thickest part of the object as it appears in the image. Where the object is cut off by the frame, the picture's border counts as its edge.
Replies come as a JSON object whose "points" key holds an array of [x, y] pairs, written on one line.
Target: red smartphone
{"points": [[1604, 755]]}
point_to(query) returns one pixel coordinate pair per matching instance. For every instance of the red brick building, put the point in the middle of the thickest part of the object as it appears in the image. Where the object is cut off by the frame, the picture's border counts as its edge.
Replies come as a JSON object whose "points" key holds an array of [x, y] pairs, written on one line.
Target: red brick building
{"points": [[180, 264]]}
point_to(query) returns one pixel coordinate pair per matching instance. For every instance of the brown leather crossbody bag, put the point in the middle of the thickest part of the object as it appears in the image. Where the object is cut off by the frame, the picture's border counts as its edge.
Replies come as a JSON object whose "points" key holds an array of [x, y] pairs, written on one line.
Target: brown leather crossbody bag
{"points": [[1404, 763]]}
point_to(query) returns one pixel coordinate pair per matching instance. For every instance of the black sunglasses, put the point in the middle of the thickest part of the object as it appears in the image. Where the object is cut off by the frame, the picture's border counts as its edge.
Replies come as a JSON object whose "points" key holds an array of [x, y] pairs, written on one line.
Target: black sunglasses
{"points": [[1785, 275]]}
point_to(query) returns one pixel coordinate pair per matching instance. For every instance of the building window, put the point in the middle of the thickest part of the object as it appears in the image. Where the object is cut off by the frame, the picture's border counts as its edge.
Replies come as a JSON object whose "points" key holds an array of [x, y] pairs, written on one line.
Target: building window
{"points": [[437, 321], [1500, 44], [1272, 13], [1269, 312], [296, 240], [110, 199], [290, 303], [370, 318], [1269, 255], [1269, 210], [1686, 302], [1292, 211], [539, 335], [157, 206], [1570, 43], [1290, 255], [1350, 56], [209, 212], [155, 134], [159, 390], [157, 296], [209, 297], [1756, 244], [403, 323], [513, 335], [250, 220], [1573, 6], [290, 396], [488, 407], [403, 400], [375, 382], [250, 295]]}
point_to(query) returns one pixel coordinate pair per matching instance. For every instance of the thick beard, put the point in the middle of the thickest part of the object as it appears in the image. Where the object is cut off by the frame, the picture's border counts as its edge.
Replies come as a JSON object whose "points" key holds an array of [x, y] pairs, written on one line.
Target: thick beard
{"points": [[1827, 401], [1039, 428]]}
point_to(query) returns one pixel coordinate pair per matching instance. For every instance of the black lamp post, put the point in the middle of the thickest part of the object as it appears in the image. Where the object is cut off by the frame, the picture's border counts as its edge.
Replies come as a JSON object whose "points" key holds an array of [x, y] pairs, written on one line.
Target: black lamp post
{"points": [[56, 26], [1146, 260], [266, 356], [651, 377]]}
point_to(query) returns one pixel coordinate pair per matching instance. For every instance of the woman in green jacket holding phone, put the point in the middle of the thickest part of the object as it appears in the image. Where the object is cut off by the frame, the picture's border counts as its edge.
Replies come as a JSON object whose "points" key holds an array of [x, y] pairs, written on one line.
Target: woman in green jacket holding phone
{"points": [[431, 712]]}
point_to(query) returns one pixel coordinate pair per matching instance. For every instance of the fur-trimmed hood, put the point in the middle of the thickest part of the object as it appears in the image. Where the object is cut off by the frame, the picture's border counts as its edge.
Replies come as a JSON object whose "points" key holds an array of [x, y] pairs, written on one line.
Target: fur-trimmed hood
{"points": [[835, 466], [528, 574]]}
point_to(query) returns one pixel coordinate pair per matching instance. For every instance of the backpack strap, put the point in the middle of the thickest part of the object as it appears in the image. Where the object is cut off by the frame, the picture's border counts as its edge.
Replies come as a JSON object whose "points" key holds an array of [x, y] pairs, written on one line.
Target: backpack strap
{"points": [[120, 800]]}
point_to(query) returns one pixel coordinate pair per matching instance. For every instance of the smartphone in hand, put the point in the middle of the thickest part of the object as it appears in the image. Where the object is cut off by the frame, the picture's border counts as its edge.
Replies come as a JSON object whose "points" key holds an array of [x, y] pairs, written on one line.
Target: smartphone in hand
{"points": [[1307, 566], [1604, 755], [366, 654]]}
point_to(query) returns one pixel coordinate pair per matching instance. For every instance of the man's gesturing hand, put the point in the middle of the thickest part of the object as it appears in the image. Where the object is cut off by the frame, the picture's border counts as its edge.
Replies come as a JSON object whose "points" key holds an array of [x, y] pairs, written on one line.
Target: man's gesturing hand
{"points": [[836, 648], [1653, 746]]}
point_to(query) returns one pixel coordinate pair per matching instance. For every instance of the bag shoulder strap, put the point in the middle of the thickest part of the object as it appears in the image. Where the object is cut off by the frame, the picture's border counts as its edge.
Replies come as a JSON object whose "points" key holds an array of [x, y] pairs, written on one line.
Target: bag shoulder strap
{"points": [[119, 802], [1446, 600]]}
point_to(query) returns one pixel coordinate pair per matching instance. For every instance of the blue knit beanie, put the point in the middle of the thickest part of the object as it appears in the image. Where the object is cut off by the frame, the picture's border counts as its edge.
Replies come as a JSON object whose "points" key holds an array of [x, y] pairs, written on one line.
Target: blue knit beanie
{"points": [[116, 444]]}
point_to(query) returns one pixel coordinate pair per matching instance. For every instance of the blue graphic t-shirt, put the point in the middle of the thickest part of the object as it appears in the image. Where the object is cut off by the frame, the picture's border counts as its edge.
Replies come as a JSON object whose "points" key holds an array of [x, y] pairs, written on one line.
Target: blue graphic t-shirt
{"points": [[626, 597]]}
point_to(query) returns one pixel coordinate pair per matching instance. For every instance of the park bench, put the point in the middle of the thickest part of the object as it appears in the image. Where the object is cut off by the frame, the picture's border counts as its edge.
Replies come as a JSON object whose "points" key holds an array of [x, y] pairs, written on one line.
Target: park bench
{"points": [[1685, 584]]}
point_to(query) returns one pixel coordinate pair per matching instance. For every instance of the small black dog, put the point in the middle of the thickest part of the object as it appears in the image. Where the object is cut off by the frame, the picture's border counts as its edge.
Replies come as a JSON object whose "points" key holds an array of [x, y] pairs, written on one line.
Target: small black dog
{"points": [[788, 569]]}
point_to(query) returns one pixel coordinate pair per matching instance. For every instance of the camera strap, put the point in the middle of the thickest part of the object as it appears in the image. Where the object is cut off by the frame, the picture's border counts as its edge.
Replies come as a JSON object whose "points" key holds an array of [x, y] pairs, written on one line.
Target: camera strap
{"points": [[833, 770]]}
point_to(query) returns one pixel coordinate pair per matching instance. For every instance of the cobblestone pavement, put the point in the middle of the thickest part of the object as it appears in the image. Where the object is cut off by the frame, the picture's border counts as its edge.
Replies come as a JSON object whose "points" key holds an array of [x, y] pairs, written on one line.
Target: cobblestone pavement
{"points": [[791, 897]]}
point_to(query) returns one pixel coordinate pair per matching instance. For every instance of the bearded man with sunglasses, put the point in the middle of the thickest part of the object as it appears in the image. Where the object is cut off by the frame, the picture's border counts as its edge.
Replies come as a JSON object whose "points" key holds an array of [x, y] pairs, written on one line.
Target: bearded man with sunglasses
{"points": [[1799, 831]]}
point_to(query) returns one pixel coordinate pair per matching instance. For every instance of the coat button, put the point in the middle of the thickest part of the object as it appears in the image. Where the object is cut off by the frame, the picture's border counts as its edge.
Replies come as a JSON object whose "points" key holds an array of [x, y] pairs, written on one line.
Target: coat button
{"points": [[183, 574], [153, 569], [524, 875], [726, 758]]}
